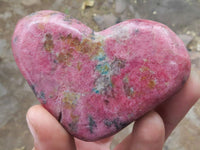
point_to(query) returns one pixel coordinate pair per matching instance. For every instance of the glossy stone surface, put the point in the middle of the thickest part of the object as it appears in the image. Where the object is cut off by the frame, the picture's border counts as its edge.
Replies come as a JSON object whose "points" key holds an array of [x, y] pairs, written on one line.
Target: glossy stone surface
{"points": [[96, 83]]}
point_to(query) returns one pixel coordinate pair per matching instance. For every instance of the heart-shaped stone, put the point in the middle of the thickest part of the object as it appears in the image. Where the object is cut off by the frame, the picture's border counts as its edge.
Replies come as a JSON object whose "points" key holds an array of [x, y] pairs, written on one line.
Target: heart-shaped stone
{"points": [[96, 83]]}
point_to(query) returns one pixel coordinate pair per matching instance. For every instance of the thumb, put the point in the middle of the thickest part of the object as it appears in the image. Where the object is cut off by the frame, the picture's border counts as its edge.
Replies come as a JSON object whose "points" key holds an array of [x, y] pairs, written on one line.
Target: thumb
{"points": [[48, 134]]}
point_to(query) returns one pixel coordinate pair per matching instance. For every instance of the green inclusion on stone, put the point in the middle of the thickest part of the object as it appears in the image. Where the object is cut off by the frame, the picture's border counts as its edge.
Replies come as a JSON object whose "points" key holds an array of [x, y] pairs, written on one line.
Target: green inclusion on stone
{"points": [[103, 68], [95, 90]]}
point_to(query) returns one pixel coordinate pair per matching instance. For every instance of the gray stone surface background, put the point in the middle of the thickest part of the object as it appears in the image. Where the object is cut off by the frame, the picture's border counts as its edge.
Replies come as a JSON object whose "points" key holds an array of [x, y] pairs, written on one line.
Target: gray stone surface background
{"points": [[182, 16]]}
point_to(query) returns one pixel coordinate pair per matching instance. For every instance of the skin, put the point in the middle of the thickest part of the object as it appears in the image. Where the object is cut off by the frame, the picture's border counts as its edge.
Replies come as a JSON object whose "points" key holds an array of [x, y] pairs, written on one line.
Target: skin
{"points": [[149, 132]]}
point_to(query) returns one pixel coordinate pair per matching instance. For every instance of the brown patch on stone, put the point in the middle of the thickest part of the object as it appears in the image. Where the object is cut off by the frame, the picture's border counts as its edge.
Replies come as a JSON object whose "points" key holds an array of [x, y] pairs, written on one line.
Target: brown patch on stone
{"points": [[69, 55], [41, 26], [70, 50], [152, 84], [70, 99], [95, 47], [86, 47], [143, 78], [75, 42], [64, 57], [144, 69], [63, 38], [79, 66], [73, 124], [75, 118], [61, 57], [48, 44]]}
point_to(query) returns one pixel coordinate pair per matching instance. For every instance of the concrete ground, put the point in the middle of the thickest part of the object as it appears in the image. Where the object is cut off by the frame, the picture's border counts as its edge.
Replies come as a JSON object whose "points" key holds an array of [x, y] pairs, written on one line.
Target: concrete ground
{"points": [[182, 16]]}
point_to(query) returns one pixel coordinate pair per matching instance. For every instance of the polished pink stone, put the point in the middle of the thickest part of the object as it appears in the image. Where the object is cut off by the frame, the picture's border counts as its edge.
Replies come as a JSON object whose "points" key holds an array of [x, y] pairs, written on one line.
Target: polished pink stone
{"points": [[96, 83]]}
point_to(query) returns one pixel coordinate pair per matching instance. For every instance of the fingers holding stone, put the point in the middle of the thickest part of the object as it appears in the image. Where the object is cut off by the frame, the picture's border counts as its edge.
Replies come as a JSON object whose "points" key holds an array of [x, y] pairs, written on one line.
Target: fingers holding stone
{"points": [[48, 134], [173, 110], [103, 144], [148, 133]]}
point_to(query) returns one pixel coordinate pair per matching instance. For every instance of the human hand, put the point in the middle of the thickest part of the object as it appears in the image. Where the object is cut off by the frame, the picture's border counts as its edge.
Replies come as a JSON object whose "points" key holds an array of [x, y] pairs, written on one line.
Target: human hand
{"points": [[149, 132]]}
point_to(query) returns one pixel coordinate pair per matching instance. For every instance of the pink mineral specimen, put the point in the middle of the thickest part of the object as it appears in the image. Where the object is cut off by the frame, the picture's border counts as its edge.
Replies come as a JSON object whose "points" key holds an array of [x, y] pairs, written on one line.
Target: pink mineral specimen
{"points": [[96, 83]]}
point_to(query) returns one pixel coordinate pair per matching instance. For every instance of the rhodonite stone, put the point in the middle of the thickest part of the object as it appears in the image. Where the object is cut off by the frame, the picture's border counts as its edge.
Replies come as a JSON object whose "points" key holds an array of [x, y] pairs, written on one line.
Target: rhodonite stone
{"points": [[96, 83]]}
